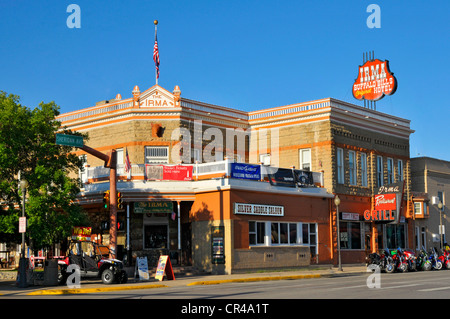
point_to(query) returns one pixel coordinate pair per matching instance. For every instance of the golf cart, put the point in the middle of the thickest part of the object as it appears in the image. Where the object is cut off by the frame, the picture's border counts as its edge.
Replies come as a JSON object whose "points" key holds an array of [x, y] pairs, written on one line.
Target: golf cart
{"points": [[93, 260]]}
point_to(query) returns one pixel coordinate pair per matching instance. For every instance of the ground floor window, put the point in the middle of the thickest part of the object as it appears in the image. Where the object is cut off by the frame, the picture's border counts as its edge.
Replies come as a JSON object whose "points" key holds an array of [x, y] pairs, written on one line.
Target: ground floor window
{"points": [[156, 236], [395, 236], [350, 235], [278, 233]]}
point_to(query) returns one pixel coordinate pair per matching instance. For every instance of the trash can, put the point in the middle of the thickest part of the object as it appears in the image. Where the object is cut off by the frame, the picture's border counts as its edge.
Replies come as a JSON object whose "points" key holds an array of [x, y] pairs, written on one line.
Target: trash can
{"points": [[51, 273]]}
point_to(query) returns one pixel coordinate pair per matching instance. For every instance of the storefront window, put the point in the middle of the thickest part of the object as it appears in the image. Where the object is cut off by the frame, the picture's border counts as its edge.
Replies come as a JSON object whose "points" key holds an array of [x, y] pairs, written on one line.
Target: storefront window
{"points": [[156, 236], [257, 232], [350, 235], [395, 236], [282, 233]]}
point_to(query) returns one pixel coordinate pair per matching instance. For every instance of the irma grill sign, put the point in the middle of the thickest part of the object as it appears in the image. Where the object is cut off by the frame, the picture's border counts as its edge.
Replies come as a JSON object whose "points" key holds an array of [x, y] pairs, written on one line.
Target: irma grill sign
{"points": [[374, 81]]}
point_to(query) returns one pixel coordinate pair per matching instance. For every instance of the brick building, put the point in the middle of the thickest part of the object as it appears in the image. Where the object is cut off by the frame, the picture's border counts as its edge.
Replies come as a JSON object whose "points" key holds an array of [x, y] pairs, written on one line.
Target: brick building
{"points": [[350, 150], [430, 178]]}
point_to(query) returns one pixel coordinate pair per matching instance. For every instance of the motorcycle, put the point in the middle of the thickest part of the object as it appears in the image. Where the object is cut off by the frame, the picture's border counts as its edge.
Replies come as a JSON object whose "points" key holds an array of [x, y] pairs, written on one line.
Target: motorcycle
{"points": [[423, 262], [434, 259], [383, 261], [387, 262], [401, 264], [446, 258], [411, 260]]}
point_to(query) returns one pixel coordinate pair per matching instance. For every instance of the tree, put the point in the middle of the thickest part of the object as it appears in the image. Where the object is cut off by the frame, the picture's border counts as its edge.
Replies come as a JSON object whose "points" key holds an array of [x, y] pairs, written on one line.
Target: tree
{"points": [[27, 144]]}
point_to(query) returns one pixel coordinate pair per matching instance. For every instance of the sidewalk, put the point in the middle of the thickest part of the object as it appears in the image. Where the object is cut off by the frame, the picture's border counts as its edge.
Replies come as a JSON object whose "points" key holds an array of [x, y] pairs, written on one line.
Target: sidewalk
{"points": [[9, 287]]}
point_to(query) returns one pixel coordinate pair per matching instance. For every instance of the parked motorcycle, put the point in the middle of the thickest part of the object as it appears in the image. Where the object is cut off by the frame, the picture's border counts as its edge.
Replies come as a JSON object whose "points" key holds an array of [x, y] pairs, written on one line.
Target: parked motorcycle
{"points": [[434, 259], [384, 261], [411, 259], [445, 258], [401, 264], [423, 262], [387, 262]]}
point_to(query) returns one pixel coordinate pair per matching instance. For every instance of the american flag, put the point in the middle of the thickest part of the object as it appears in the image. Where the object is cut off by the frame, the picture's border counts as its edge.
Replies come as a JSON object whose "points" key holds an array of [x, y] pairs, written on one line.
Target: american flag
{"points": [[156, 56], [127, 162]]}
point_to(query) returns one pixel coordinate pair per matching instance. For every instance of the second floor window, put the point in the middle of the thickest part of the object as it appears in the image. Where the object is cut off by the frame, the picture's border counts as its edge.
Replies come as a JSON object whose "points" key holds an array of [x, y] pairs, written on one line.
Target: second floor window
{"points": [[364, 169], [400, 170], [380, 181], [305, 159], [340, 166], [390, 170], [156, 154], [352, 167]]}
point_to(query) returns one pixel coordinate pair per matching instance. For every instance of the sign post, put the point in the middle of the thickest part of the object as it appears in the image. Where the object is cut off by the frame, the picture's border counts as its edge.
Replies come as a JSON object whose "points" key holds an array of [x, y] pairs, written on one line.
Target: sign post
{"points": [[110, 162]]}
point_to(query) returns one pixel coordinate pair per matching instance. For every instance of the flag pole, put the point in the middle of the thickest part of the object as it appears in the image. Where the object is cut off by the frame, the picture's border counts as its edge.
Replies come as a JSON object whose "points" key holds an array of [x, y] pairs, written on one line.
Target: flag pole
{"points": [[156, 69]]}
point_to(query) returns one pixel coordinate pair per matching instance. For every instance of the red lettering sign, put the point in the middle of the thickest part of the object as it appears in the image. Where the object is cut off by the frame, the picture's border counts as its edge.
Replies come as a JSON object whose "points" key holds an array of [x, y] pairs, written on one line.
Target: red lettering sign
{"points": [[385, 202], [379, 215], [374, 81], [177, 173]]}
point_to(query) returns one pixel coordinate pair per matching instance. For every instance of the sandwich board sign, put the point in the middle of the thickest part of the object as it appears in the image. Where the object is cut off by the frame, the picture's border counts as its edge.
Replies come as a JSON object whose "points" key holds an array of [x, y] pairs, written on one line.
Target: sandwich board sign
{"points": [[142, 268], [164, 267]]}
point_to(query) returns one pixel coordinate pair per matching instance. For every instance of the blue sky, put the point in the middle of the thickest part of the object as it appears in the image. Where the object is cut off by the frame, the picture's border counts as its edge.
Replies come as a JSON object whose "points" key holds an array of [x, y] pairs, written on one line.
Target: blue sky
{"points": [[244, 54]]}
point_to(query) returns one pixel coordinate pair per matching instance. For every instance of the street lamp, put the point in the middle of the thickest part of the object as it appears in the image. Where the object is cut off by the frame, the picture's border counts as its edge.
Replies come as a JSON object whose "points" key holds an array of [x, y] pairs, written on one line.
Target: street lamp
{"points": [[23, 260], [337, 202], [441, 231]]}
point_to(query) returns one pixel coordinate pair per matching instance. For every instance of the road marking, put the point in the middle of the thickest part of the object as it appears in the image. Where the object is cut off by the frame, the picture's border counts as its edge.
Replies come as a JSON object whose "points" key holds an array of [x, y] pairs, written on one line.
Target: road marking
{"points": [[402, 286], [434, 289]]}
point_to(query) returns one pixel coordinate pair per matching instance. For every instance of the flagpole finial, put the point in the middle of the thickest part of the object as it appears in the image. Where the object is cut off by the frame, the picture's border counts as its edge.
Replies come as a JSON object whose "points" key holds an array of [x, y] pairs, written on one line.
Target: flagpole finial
{"points": [[155, 22]]}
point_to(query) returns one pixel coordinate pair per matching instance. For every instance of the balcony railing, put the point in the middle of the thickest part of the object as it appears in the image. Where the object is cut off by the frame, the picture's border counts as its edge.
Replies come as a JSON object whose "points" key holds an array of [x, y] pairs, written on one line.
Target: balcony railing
{"points": [[201, 171]]}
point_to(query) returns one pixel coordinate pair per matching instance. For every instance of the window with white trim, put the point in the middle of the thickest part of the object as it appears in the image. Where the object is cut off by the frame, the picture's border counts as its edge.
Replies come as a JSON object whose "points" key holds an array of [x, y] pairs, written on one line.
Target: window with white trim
{"points": [[399, 170], [156, 154], [363, 158], [380, 181], [305, 159], [352, 167], [283, 233], [390, 170], [340, 166]]}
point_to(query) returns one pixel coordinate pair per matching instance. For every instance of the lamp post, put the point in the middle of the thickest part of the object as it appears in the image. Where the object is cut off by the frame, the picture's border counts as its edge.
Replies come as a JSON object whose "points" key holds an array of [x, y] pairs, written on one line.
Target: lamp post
{"points": [[337, 202], [23, 260], [441, 231]]}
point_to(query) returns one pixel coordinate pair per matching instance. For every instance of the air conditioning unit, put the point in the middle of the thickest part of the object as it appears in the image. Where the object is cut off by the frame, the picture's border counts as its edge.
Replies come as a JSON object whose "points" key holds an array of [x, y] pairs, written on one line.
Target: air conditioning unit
{"points": [[434, 200]]}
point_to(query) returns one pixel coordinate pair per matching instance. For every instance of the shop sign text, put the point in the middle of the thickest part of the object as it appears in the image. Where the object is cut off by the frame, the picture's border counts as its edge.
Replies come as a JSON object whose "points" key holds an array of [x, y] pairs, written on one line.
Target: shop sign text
{"points": [[256, 209]]}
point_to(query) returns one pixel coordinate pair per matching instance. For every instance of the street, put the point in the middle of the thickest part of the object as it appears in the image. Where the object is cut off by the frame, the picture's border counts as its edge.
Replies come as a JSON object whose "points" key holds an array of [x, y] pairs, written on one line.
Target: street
{"points": [[411, 285]]}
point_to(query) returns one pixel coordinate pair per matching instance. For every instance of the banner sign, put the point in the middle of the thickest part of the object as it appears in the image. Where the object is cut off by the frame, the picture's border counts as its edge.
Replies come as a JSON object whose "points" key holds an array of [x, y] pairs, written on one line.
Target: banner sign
{"points": [[246, 171], [81, 233], [177, 173], [22, 224], [282, 177], [153, 207], [290, 178], [256, 209], [374, 81], [169, 172]]}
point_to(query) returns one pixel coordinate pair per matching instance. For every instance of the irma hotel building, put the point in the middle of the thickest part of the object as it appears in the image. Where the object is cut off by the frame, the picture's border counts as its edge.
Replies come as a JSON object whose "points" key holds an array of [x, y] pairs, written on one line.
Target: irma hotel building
{"points": [[217, 222]]}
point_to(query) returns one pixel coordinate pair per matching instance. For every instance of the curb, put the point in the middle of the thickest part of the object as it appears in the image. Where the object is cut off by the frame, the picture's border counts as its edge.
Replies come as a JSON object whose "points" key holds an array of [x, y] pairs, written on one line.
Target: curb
{"points": [[216, 282], [89, 290]]}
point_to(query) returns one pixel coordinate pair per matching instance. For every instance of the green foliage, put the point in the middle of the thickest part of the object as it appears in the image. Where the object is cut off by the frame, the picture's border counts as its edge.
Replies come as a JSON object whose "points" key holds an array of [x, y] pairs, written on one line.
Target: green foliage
{"points": [[27, 144]]}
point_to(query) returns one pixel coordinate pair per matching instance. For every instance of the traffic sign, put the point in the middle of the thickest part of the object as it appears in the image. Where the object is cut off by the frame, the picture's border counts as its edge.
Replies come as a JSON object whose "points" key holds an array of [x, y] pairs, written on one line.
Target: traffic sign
{"points": [[69, 140]]}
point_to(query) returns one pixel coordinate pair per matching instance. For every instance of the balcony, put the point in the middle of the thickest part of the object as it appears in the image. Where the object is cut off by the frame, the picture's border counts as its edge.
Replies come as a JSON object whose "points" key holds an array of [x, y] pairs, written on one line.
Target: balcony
{"points": [[206, 171]]}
